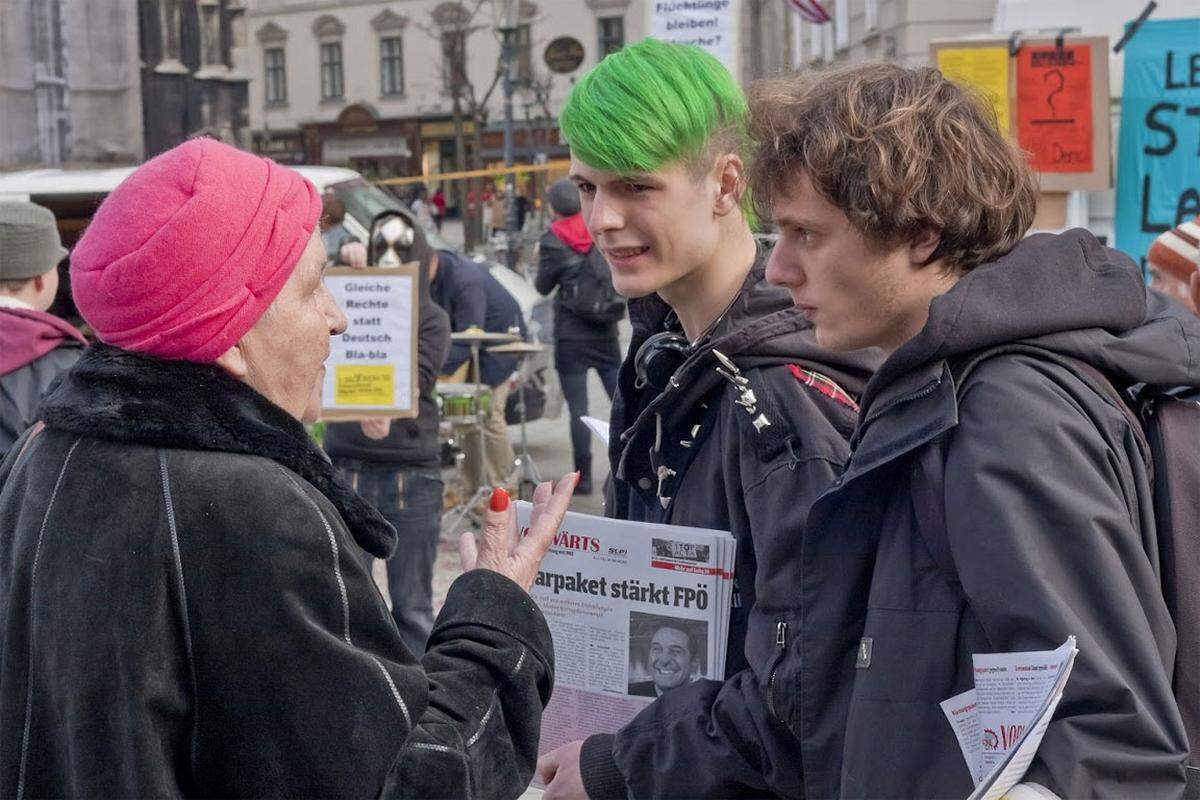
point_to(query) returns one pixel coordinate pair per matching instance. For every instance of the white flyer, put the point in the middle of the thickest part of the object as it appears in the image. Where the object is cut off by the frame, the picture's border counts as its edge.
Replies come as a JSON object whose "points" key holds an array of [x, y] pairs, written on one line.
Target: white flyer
{"points": [[1000, 723], [598, 427], [963, 713]]}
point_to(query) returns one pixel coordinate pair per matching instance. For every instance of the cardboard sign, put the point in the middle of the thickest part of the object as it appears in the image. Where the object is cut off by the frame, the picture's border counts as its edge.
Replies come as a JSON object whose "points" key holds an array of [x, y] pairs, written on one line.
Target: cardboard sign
{"points": [[1158, 160], [985, 69], [1054, 107], [711, 25], [1051, 97], [371, 370]]}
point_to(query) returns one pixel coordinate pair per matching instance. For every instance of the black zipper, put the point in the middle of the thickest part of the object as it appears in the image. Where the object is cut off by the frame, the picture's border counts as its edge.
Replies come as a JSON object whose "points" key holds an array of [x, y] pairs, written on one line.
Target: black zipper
{"points": [[781, 628], [908, 398]]}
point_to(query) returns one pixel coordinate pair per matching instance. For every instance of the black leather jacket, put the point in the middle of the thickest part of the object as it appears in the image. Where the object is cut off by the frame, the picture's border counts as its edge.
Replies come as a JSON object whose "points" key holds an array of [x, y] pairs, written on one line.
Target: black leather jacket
{"points": [[186, 609]]}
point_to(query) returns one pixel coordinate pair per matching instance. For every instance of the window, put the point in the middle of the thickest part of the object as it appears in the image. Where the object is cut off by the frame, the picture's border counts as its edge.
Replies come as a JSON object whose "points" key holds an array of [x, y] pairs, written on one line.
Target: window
{"points": [[523, 55], [391, 66], [454, 59], [170, 28], [611, 32], [816, 42], [797, 43], [276, 76], [332, 85], [210, 33], [841, 24]]}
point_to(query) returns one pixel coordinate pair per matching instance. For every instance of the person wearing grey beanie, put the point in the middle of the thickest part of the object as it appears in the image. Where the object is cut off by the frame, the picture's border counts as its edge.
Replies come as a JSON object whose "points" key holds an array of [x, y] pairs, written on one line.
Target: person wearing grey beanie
{"points": [[35, 346]]}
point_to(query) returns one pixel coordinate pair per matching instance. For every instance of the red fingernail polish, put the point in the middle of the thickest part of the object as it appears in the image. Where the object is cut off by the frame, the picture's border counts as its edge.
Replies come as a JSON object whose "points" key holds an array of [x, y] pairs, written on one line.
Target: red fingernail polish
{"points": [[499, 500]]}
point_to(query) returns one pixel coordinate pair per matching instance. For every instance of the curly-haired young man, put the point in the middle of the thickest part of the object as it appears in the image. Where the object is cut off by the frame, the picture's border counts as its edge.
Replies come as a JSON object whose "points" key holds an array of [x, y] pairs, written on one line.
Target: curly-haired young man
{"points": [[996, 500], [727, 414]]}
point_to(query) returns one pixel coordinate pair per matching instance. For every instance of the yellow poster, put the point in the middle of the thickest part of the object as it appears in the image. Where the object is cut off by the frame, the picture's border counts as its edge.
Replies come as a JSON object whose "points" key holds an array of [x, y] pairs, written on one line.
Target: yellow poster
{"points": [[364, 385], [983, 68]]}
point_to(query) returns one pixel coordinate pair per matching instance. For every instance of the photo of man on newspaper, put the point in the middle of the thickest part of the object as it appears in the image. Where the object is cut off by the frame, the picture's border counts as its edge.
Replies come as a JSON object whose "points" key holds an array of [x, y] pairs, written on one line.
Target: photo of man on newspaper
{"points": [[664, 652]]}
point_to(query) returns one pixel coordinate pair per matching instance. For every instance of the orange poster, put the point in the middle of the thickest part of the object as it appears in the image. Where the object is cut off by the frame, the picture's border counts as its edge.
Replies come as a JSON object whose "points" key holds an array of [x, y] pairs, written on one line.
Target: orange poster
{"points": [[1054, 107]]}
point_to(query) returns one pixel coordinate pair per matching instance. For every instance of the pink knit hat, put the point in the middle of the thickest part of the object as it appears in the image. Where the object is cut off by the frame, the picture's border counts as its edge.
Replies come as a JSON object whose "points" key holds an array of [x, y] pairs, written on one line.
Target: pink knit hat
{"points": [[188, 252]]}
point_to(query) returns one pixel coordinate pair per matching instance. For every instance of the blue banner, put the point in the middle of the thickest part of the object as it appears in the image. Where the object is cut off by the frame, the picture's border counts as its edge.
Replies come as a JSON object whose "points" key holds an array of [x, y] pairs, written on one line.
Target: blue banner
{"points": [[1158, 160]]}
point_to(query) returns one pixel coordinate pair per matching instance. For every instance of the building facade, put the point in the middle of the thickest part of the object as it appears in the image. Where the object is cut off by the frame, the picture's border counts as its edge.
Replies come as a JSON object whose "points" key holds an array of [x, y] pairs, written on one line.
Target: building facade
{"points": [[371, 84], [70, 89], [191, 84], [888, 30]]}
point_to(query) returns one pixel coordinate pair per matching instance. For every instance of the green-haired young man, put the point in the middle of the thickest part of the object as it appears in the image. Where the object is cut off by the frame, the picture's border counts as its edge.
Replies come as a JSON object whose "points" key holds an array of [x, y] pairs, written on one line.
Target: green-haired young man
{"points": [[727, 414]]}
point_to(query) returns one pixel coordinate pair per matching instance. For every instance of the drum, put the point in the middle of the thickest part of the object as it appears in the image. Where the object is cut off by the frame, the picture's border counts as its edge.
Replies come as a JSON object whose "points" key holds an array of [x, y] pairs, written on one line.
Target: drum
{"points": [[456, 402]]}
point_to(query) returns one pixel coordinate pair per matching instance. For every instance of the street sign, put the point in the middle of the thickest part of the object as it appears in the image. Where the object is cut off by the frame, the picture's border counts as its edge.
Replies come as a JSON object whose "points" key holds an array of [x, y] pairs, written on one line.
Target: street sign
{"points": [[564, 54]]}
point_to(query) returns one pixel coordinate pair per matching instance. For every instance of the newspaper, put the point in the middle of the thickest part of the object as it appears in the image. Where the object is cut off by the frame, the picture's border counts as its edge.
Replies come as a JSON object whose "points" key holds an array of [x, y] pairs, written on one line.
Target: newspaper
{"points": [[1000, 723], [635, 610]]}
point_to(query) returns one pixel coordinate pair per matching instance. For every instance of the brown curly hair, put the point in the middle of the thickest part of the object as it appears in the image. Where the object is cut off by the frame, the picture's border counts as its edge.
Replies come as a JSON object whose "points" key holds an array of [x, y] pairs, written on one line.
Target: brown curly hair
{"points": [[900, 151]]}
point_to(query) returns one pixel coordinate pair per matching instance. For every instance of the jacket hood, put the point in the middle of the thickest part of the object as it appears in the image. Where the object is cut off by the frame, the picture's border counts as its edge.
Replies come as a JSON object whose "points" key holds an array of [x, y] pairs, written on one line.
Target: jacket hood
{"points": [[573, 233], [762, 328], [26, 335], [129, 397], [1066, 293]]}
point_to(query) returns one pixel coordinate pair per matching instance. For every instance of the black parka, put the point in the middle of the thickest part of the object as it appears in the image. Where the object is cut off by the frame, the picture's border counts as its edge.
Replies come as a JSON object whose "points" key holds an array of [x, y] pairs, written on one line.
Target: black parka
{"points": [[186, 609], [1048, 512], [734, 738]]}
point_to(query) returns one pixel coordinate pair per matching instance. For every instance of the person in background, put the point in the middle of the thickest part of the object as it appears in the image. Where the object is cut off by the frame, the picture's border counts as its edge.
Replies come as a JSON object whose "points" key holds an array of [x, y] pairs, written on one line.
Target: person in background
{"points": [[476, 300], [580, 344], [394, 466], [1174, 261], [522, 210], [485, 208], [499, 211], [439, 208], [340, 245], [35, 346], [421, 207]]}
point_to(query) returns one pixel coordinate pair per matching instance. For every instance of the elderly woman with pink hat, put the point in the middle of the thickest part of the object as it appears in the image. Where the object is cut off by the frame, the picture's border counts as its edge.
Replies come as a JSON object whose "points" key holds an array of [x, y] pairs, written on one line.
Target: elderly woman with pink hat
{"points": [[185, 606]]}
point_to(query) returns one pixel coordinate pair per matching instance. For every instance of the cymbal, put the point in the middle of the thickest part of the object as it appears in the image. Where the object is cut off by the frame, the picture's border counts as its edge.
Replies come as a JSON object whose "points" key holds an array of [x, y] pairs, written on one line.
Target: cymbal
{"points": [[446, 387], [483, 336], [517, 348]]}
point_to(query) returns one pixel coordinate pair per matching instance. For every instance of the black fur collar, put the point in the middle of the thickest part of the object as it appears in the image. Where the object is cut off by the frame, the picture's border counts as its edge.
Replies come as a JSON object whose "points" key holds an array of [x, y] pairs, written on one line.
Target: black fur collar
{"points": [[116, 394]]}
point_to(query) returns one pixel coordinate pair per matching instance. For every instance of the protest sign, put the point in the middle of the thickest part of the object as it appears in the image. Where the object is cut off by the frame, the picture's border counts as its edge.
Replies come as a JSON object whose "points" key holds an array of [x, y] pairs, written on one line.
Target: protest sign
{"points": [[1062, 117], [1054, 107], [1158, 160], [711, 25], [371, 369], [983, 67], [1050, 96]]}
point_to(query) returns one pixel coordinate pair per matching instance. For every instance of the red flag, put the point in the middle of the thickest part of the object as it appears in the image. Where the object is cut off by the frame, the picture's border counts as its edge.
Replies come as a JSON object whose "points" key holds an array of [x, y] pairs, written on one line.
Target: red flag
{"points": [[811, 10]]}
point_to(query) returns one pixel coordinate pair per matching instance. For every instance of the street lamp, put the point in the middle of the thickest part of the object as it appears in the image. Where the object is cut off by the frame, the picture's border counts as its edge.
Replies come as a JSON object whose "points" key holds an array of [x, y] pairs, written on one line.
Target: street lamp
{"points": [[508, 32]]}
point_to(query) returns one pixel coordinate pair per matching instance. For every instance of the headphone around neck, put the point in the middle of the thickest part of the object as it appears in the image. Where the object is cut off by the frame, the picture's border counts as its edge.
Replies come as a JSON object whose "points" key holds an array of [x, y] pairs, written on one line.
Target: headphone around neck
{"points": [[660, 357]]}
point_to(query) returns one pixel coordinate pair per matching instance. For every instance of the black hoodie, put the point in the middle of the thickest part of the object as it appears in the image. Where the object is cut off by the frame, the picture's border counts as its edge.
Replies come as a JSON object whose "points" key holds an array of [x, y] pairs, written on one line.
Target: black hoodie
{"points": [[724, 739], [1048, 515]]}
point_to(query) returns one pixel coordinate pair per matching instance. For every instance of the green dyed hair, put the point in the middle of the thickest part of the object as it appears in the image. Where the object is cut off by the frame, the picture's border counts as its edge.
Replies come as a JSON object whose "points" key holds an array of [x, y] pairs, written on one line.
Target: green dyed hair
{"points": [[652, 104]]}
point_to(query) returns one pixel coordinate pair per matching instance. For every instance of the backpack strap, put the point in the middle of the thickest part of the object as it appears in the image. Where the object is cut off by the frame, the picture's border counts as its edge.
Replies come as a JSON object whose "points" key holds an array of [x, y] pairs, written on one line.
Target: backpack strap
{"points": [[928, 481]]}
